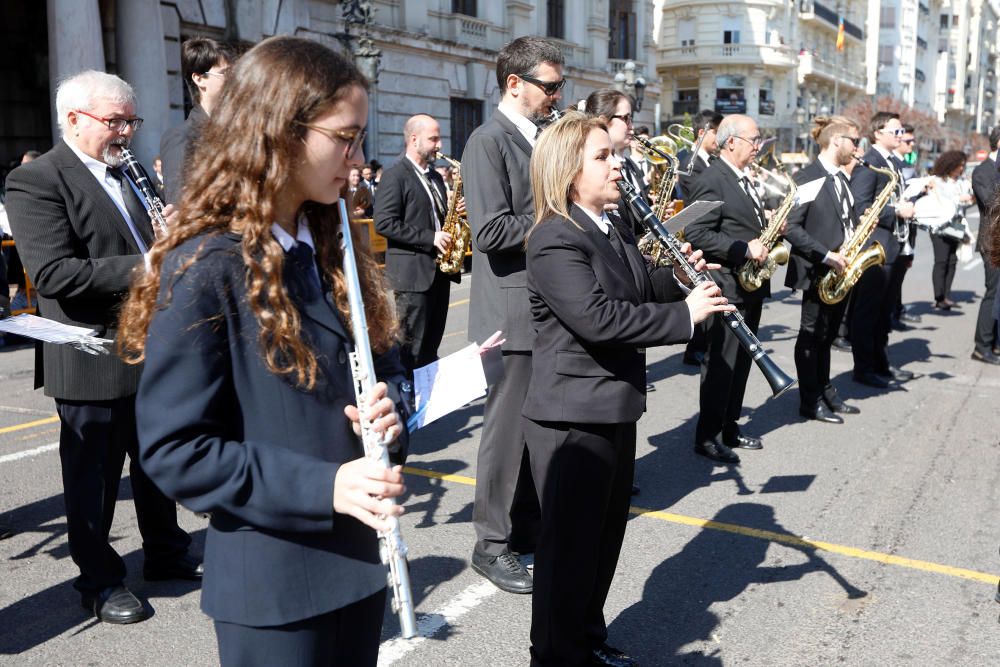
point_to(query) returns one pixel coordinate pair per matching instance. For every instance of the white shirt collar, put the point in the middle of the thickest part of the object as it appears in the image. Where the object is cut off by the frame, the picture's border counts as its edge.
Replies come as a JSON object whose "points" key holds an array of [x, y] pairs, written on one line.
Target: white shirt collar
{"points": [[96, 167], [884, 152], [740, 173], [703, 154], [523, 125], [601, 221], [422, 170], [285, 239], [830, 169], [993, 156]]}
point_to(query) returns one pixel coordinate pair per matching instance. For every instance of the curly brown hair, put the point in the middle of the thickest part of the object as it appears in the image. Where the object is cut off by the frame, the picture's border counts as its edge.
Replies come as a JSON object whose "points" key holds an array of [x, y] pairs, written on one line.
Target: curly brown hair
{"points": [[947, 163], [243, 160]]}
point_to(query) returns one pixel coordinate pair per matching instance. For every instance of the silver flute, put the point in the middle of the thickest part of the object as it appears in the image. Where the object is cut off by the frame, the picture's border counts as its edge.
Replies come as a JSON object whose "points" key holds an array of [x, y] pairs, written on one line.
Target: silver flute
{"points": [[392, 549], [153, 204]]}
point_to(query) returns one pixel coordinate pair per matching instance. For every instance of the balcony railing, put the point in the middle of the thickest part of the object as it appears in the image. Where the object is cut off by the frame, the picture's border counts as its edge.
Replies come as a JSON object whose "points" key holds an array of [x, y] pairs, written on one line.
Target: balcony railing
{"points": [[618, 65], [830, 16], [682, 107], [810, 65], [752, 54]]}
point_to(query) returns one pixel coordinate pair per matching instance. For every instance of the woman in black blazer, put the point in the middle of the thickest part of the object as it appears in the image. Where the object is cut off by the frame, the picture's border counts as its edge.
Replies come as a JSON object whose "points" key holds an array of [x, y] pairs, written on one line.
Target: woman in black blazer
{"points": [[245, 407], [592, 313]]}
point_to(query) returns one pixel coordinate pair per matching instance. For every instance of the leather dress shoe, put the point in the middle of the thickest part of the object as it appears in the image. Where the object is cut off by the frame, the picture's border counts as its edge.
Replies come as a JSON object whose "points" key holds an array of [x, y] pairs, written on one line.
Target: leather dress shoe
{"points": [[898, 325], [987, 357], [743, 442], [820, 413], [115, 604], [693, 358], [842, 344], [837, 404], [942, 305], [871, 379], [505, 571], [897, 374], [715, 450], [609, 655], [187, 567]]}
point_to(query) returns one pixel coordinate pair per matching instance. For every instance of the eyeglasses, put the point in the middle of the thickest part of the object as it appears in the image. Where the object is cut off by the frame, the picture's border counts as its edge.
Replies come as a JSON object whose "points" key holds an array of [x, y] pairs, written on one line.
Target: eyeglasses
{"points": [[353, 138], [623, 117], [550, 88], [115, 124], [896, 133], [907, 141], [221, 73], [753, 141], [854, 140]]}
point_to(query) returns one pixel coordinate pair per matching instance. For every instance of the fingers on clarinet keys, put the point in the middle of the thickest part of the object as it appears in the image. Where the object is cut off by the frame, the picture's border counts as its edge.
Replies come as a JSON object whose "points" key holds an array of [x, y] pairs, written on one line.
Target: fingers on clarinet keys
{"points": [[715, 450], [820, 413], [504, 570]]}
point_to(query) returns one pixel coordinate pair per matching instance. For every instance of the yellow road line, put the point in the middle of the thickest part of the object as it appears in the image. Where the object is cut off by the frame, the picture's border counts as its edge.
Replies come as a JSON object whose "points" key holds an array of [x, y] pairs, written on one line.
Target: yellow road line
{"points": [[458, 303], [32, 424], [771, 536]]}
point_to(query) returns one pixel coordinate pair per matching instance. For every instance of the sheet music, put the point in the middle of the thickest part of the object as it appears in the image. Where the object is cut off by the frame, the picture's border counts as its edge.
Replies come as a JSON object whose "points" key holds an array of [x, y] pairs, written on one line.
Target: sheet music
{"points": [[447, 385], [50, 331], [807, 192]]}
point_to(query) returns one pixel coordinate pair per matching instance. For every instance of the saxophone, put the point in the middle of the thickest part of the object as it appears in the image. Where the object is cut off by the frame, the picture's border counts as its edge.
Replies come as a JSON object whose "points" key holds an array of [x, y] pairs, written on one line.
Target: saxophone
{"points": [[833, 288], [752, 276], [454, 223]]}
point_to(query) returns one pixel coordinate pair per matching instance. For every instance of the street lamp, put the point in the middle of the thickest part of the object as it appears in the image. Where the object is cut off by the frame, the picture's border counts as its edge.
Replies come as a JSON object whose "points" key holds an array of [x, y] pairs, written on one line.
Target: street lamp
{"points": [[627, 82]]}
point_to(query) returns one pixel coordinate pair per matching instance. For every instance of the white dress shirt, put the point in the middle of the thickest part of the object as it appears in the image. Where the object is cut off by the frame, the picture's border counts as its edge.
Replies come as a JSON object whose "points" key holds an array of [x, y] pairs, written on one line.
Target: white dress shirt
{"points": [[425, 181], [524, 126]]}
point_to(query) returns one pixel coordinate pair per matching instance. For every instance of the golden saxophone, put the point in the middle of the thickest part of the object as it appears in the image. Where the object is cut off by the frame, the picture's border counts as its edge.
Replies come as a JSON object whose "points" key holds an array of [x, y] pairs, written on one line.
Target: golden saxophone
{"points": [[751, 275], [833, 288], [455, 224]]}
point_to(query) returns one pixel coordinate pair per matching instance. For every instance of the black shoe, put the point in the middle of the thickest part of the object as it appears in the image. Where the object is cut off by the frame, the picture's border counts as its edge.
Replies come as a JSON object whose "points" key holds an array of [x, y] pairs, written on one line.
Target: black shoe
{"points": [[842, 344], [836, 404], [996, 350], [871, 380], [715, 450], [609, 655], [820, 413], [987, 357], [187, 567], [897, 374], [115, 604], [909, 318], [693, 358], [898, 325], [505, 571], [743, 442], [941, 305]]}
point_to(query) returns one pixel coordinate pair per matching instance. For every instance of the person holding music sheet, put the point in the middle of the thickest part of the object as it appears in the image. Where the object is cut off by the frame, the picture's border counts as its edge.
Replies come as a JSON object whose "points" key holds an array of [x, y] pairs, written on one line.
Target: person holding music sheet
{"points": [[817, 229], [245, 408], [411, 207], [592, 312], [985, 184], [729, 236], [497, 187], [943, 209], [873, 301]]}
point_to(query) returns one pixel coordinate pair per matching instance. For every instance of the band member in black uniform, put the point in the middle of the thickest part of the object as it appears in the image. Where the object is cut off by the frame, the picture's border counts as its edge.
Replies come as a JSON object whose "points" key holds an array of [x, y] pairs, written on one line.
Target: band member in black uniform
{"points": [[874, 302], [816, 229], [495, 166], [985, 184], [729, 236], [246, 404], [592, 313], [410, 209]]}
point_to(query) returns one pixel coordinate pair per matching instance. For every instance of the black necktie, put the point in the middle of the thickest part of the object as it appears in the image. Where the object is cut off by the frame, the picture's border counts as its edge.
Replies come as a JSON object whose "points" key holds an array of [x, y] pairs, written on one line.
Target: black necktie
{"points": [[845, 202], [302, 273], [140, 216], [439, 207], [748, 188]]}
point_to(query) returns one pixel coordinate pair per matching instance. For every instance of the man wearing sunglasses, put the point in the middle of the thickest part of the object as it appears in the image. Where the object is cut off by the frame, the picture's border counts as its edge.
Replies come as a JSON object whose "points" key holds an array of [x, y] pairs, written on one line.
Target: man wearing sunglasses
{"points": [[907, 245], [82, 232], [496, 174], [874, 301]]}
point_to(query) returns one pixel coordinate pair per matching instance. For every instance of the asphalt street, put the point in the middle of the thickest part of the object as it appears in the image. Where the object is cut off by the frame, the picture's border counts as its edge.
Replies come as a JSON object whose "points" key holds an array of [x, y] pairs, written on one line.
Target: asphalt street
{"points": [[868, 543]]}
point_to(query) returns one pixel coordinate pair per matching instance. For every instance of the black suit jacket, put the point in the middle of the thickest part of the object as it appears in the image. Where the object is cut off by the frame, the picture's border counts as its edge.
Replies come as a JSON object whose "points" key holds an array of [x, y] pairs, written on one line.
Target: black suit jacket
{"points": [[222, 434], [80, 254], [814, 229], [866, 186], [685, 184], [592, 318], [496, 178], [985, 181], [174, 152], [405, 216], [724, 234]]}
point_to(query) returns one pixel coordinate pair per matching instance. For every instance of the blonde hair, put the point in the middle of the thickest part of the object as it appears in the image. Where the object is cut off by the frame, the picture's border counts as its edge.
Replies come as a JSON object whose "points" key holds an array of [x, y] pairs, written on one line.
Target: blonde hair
{"points": [[828, 126], [557, 160]]}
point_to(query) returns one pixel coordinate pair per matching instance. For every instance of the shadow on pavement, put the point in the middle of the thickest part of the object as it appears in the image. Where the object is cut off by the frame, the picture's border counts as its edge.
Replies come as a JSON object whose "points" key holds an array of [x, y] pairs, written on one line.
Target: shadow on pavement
{"points": [[434, 489], [426, 574]]}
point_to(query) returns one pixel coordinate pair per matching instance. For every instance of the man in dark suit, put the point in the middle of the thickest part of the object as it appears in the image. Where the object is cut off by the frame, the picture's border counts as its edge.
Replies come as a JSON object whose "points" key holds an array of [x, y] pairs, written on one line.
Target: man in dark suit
{"points": [[729, 236], [410, 210], [204, 63], [82, 231], [985, 181], [497, 181], [874, 301], [816, 229]]}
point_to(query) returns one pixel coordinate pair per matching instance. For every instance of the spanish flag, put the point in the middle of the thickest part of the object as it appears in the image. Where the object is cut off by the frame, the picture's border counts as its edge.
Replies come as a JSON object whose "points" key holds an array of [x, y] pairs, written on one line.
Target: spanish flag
{"points": [[840, 34]]}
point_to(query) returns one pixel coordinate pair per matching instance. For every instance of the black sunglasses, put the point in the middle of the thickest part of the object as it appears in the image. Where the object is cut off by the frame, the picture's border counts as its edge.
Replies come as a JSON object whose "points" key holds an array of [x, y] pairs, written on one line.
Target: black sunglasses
{"points": [[853, 140], [548, 87], [624, 117]]}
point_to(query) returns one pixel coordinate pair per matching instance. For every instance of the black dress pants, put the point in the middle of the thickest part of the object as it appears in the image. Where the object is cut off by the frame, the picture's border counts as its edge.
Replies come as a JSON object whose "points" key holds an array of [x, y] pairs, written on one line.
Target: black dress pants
{"points": [[870, 321], [583, 473], [94, 438], [945, 261], [818, 327], [506, 506], [986, 325], [345, 637], [724, 373], [422, 317]]}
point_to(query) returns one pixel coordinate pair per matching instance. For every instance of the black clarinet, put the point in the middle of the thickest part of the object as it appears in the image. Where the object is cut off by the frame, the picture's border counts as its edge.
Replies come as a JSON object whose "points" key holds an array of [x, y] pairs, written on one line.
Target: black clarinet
{"points": [[779, 381], [154, 205]]}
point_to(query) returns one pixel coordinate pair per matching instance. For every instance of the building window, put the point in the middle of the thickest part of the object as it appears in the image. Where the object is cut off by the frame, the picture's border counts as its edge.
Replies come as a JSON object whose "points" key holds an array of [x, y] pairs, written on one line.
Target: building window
{"points": [[467, 7], [729, 94], [466, 115], [685, 33], [556, 15], [886, 55], [766, 104], [623, 30], [944, 21], [687, 99], [887, 17]]}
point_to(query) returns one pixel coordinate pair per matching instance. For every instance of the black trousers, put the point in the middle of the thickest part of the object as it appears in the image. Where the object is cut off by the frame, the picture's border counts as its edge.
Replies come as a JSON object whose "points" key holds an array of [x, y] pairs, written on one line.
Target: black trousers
{"points": [[506, 506], [422, 317], [986, 325], [724, 373], [583, 473], [870, 321], [347, 637], [818, 327], [945, 261], [93, 441], [897, 273]]}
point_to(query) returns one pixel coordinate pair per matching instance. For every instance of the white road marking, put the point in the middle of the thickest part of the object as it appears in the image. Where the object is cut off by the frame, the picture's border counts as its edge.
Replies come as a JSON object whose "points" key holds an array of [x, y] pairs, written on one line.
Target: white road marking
{"points": [[430, 624], [28, 453]]}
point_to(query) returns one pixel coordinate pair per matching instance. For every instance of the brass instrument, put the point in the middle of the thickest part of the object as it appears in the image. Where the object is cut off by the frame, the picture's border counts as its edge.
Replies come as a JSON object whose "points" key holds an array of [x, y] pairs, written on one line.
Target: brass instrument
{"points": [[661, 153], [751, 275], [833, 288], [694, 147], [454, 223]]}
